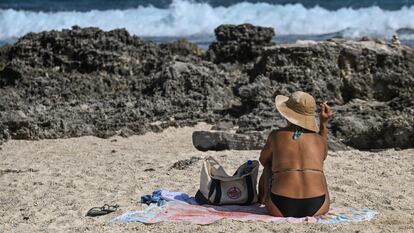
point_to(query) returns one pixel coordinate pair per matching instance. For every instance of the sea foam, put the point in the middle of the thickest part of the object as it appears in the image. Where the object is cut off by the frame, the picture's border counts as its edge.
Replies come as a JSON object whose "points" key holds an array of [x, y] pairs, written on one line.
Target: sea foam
{"points": [[184, 18]]}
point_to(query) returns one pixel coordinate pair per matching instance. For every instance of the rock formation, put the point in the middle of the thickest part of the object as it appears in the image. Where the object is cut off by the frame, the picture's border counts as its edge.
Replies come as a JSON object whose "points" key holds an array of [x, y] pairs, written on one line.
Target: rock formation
{"points": [[210, 140], [239, 43], [85, 81], [90, 82], [370, 85]]}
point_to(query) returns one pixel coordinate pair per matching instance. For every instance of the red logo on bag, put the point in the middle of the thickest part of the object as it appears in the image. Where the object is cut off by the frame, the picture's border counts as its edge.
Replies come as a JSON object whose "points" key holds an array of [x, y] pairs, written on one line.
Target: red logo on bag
{"points": [[233, 193]]}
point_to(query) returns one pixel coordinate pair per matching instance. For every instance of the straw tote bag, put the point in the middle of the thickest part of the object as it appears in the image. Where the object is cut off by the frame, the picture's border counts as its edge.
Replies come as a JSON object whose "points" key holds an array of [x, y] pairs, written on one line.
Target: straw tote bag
{"points": [[217, 187]]}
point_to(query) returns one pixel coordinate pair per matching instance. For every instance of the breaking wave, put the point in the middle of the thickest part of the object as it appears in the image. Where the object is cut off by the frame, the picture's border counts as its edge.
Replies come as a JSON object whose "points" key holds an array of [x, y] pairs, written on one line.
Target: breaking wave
{"points": [[184, 18]]}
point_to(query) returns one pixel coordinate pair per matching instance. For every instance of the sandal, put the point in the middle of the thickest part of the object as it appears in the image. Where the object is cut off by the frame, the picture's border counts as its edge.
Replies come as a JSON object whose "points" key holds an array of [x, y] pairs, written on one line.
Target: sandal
{"points": [[105, 209]]}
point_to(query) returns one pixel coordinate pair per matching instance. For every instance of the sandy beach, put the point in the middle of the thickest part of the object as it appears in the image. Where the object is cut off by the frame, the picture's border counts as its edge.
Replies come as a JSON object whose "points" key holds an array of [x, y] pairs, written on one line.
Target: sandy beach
{"points": [[49, 185], [100, 102]]}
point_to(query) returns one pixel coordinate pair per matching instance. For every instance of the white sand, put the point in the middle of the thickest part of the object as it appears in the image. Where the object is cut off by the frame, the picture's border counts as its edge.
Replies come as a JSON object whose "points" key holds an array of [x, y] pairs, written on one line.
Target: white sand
{"points": [[61, 179]]}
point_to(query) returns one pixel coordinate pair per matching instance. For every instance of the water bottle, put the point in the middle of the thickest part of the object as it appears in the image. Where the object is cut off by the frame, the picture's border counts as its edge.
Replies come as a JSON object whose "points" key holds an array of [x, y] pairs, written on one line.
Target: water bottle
{"points": [[249, 167]]}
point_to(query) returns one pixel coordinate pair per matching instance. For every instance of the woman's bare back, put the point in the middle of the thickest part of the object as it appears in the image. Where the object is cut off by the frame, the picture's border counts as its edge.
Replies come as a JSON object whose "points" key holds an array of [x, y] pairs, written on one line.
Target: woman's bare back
{"points": [[297, 165]]}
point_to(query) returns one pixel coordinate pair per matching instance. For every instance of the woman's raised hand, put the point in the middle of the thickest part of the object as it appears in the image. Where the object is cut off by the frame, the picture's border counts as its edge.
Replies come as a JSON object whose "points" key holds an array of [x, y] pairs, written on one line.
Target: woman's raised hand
{"points": [[326, 112]]}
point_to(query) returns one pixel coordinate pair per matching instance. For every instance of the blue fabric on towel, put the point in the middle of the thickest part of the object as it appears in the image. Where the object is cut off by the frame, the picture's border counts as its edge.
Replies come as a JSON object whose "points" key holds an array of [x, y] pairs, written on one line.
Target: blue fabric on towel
{"points": [[155, 197]]}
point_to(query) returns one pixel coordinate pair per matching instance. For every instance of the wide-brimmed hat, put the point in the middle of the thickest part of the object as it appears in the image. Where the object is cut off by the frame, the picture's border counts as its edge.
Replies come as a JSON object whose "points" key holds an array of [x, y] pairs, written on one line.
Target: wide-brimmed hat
{"points": [[299, 109]]}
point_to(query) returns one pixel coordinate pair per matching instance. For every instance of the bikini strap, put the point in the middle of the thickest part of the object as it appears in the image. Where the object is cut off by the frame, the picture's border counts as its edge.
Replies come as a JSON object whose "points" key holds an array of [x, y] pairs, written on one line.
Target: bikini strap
{"points": [[298, 170]]}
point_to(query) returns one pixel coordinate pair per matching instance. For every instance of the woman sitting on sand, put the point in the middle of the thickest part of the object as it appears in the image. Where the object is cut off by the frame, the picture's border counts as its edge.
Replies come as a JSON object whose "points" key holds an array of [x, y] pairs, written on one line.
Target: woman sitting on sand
{"points": [[293, 183]]}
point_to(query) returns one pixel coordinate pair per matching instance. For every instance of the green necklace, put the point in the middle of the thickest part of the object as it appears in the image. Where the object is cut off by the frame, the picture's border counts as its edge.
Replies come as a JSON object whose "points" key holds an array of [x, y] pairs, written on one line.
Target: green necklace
{"points": [[298, 132]]}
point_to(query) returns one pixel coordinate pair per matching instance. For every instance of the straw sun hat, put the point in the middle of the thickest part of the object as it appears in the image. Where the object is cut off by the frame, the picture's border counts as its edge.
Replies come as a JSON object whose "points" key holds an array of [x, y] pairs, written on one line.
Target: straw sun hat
{"points": [[299, 109]]}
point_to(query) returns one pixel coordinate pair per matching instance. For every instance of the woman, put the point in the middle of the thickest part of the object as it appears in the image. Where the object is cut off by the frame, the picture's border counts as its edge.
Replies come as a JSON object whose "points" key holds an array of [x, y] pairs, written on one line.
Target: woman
{"points": [[293, 183]]}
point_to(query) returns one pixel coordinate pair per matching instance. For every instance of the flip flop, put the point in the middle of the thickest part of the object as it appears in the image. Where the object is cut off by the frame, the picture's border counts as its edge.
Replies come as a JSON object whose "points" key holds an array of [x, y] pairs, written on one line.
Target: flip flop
{"points": [[105, 209]]}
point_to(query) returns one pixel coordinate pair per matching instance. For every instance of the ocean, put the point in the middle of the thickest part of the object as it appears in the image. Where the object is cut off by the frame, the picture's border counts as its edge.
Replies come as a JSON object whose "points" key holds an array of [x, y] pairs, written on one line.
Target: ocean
{"points": [[167, 20]]}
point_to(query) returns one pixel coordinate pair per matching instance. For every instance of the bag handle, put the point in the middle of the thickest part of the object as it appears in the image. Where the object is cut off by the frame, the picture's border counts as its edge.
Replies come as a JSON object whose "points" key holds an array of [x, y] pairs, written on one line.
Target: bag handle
{"points": [[212, 159], [249, 185], [215, 185], [213, 164]]}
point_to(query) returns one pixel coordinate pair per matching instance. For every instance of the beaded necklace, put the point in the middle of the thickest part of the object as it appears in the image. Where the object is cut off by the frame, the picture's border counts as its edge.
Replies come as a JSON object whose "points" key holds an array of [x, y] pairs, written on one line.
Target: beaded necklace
{"points": [[298, 132]]}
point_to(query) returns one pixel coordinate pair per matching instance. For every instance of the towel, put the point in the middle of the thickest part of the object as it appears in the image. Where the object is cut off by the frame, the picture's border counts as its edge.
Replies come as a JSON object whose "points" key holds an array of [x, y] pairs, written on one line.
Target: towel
{"points": [[180, 207]]}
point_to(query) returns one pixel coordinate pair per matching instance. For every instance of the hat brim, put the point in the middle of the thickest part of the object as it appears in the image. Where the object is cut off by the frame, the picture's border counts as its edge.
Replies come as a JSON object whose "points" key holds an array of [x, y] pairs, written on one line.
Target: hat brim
{"points": [[306, 122]]}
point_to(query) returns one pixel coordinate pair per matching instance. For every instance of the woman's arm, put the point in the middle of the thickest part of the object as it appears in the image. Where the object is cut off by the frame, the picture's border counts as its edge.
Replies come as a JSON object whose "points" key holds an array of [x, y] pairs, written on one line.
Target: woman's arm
{"points": [[266, 153], [326, 113]]}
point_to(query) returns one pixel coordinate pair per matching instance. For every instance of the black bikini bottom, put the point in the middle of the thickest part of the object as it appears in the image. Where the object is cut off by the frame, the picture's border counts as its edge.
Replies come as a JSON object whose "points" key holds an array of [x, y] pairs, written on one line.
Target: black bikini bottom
{"points": [[298, 208]]}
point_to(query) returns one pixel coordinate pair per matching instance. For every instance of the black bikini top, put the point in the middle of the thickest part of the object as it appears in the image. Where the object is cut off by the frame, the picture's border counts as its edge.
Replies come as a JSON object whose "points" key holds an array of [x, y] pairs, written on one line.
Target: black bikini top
{"points": [[298, 170]]}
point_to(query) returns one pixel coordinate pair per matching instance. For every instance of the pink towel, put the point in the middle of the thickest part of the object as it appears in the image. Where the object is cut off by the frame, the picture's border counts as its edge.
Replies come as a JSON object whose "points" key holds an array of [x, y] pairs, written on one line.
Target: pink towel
{"points": [[178, 211]]}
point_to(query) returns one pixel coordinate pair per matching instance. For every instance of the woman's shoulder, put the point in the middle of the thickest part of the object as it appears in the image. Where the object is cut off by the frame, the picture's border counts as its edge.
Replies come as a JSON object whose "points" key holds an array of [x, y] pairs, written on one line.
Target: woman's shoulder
{"points": [[277, 134]]}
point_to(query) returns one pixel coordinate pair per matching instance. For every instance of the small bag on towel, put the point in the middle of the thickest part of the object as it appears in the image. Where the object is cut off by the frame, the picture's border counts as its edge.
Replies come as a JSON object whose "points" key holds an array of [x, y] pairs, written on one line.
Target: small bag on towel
{"points": [[219, 188]]}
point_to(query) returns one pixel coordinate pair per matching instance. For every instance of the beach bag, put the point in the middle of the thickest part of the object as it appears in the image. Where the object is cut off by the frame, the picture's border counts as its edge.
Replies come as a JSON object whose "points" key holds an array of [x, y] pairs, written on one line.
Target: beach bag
{"points": [[219, 188]]}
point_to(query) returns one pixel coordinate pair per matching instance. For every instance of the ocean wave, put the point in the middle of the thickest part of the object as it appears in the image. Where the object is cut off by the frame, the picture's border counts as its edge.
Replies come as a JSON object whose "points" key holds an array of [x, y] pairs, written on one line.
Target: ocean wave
{"points": [[184, 18]]}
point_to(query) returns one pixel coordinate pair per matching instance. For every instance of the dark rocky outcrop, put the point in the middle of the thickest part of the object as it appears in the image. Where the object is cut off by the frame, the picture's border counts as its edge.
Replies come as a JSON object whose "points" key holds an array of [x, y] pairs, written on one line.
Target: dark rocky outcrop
{"points": [[369, 84], [90, 82], [4, 52], [239, 43], [220, 140], [373, 124], [85, 81], [339, 71]]}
